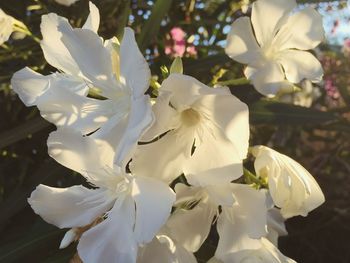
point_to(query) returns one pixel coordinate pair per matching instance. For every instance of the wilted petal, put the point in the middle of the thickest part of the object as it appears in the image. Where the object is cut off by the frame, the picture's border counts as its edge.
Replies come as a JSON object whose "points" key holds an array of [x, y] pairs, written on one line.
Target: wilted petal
{"points": [[112, 240], [299, 65], [133, 67], [291, 186], [303, 30], [75, 206], [93, 20], [241, 43], [152, 207], [267, 17]]}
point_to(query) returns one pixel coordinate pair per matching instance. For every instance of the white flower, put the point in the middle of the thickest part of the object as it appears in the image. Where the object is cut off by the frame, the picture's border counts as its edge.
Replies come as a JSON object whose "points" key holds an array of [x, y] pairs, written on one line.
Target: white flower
{"points": [[291, 186], [263, 251], [275, 226], [304, 97], [66, 2], [243, 212], [6, 26], [119, 74], [194, 115], [133, 212], [275, 52]]}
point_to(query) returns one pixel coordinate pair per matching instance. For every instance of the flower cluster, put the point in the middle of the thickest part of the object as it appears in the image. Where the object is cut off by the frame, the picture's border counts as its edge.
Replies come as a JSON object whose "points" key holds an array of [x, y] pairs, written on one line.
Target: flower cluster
{"points": [[162, 171]]}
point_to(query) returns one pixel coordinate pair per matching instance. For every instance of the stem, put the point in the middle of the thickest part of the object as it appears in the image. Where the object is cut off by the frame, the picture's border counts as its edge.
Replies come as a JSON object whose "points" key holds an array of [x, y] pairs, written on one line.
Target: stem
{"points": [[253, 178]]}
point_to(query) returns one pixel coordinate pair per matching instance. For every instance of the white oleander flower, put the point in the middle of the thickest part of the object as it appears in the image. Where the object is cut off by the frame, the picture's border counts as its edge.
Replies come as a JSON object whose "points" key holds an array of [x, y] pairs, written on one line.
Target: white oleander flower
{"points": [[206, 129], [119, 73], [273, 42], [305, 97], [132, 211], [257, 251], [292, 187], [66, 2], [241, 205], [6, 26]]}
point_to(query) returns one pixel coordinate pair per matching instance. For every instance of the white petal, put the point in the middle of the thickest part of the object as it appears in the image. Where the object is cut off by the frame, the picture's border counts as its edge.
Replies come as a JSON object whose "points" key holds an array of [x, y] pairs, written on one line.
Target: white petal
{"points": [[68, 238], [241, 43], [292, 187], [264, 253], [112, 240], [165, 117], [152, 207], [158, 161], [186, 90], [69, 110], [303, 30], [29, 85], [275, 226], [75, 206], [55, 52], [84, 155], [231, 116], [267, 17], [163, 249], [133, 66], [299, 65], [191, 227], [92, 58], [139, 120], [93, 20], [268, 79]]}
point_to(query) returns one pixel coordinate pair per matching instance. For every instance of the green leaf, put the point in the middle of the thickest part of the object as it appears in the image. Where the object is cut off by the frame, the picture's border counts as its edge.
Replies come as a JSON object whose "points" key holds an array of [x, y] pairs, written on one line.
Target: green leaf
{"points": [[32, 246], [267, 112], [151, 27], [22, 131]]}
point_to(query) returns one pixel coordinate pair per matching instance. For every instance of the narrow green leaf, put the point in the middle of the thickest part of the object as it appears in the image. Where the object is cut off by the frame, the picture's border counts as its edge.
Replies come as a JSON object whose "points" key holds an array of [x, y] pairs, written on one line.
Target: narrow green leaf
{"points": [[22, 131], [151, 27], [266, 112]]}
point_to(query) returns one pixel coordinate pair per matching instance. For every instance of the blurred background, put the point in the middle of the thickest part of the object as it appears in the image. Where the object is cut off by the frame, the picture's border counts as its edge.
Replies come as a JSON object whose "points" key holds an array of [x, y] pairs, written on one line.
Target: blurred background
{"points": [[311, 126]]}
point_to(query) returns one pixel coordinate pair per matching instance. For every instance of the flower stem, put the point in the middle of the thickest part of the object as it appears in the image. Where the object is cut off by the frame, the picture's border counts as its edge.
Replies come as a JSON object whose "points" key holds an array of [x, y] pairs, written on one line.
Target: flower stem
{"points": [[233, 82]]}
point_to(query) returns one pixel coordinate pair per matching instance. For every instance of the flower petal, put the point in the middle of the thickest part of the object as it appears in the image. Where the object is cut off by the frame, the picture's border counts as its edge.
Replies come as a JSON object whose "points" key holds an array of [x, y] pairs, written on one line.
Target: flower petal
{"points": [[69, 110], [267, 17], [152, 207], [30, 85], [291, 186], [303, 30], [186, 90], [93, 20], [112, 240], [241, 43], [157, 160], [133, 66], [163, 249], [55, 52], [75, 206], [139, 120], [191, 227], [84, 155], [268, 79], [299, 65]]}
